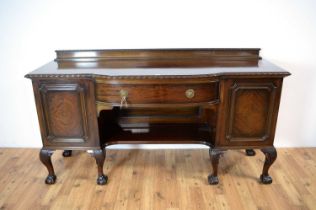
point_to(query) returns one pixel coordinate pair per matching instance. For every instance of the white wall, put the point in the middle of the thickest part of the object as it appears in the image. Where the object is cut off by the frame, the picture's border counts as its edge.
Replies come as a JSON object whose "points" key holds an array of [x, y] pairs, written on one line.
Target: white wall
{"points": [[31, 30]]}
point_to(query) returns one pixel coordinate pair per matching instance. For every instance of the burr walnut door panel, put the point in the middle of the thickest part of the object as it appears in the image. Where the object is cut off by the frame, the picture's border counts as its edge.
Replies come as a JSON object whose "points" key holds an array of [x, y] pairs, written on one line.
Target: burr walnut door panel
{"points": [[249, 116], [67, 113]]}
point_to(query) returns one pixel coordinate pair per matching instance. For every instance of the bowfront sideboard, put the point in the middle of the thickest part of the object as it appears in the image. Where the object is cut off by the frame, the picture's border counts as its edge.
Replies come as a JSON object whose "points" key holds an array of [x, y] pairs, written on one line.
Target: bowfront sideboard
{"points": [[222, 98]]}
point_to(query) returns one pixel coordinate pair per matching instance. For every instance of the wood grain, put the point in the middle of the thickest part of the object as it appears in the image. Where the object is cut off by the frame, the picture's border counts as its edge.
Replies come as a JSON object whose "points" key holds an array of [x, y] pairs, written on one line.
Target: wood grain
{"points": [[158, 179]]}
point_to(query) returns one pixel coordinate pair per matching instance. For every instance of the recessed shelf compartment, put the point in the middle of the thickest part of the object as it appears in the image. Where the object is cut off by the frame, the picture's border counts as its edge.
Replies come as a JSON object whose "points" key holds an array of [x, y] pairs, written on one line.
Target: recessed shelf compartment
{"points": [[160, 133], [150, 126]]}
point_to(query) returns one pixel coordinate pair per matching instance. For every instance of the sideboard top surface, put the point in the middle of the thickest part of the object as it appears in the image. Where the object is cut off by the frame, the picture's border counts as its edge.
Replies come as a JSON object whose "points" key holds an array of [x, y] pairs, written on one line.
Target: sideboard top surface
{"points": [[158, 63]]}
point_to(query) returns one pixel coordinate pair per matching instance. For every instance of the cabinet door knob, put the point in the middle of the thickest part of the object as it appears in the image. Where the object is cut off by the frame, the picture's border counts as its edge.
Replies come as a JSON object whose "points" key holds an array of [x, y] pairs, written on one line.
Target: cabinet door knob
{"points": [[189, 93]]}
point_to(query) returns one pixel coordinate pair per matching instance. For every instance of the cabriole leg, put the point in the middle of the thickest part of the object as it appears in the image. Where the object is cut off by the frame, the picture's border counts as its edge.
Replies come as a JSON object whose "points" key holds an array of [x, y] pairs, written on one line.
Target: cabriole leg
{"points": [[215, 154], [45, 157], [250, 152], [99, 155], [271, 155]]}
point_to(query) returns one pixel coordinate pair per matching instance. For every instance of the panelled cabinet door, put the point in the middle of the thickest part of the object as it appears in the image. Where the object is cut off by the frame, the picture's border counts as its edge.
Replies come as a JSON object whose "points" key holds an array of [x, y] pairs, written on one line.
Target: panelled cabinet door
{"points": [[67, 113], [250, 113]]}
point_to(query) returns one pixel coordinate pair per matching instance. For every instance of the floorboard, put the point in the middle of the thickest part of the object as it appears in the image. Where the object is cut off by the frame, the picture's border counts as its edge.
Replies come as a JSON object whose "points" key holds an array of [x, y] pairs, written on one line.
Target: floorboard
{"points": [[158, 179]]}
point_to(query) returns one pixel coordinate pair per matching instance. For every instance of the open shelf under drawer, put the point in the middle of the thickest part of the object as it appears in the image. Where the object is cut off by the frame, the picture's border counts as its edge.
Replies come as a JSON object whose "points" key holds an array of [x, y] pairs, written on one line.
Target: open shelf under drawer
{"points": [[157, 133]]}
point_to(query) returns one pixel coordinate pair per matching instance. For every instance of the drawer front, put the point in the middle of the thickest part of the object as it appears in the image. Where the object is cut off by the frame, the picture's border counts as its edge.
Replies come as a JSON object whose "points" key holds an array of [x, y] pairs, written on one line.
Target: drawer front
{"points": [[158, 93]]}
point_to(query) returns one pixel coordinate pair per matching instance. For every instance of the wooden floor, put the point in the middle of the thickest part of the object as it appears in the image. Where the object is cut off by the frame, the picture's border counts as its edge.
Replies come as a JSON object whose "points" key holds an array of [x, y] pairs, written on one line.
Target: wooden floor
{"points": [[158, 179]]}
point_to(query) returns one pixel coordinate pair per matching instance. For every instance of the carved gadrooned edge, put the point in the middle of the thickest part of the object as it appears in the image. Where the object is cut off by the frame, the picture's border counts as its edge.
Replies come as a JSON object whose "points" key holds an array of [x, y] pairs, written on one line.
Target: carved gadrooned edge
{"points": [[59, 76], [273, 74]]}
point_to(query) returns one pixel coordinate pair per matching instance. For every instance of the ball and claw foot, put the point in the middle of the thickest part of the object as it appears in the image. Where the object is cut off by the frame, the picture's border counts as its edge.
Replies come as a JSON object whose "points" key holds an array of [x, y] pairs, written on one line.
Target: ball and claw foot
{"points": [[102, 180], [67, 153], [250, 152], [213, 180], [265, 179], [50, 179]]}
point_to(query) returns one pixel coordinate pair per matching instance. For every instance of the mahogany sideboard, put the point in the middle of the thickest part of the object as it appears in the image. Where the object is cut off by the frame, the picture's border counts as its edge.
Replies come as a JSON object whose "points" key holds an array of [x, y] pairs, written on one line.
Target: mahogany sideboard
{"points": [[222, 98]]}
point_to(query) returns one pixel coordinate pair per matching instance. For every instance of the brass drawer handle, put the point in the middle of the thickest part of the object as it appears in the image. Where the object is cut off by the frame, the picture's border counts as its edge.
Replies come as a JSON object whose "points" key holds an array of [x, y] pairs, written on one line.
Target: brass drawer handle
{"points": [[123, 94], [189, 93]]}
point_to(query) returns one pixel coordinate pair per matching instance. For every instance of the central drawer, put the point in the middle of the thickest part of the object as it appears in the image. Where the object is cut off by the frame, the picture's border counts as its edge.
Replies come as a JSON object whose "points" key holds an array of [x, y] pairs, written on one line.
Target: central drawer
{"points": [[157, 93]]}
